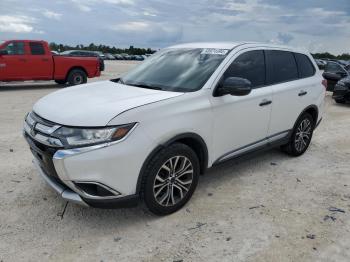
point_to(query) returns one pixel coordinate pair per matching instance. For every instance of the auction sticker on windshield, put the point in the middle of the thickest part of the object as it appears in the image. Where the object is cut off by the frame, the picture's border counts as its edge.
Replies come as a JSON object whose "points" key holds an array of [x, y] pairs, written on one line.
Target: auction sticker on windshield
{"points": [[214, 51]]}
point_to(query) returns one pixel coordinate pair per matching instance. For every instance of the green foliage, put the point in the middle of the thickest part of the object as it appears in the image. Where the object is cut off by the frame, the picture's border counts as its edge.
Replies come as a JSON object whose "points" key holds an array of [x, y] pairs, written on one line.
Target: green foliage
{"points": [[102, 48], [345, 56]]}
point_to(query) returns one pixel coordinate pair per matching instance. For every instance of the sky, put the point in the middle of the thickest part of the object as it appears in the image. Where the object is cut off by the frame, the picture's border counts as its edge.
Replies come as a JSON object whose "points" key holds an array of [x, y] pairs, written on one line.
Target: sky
{"points": [[314, 25]]}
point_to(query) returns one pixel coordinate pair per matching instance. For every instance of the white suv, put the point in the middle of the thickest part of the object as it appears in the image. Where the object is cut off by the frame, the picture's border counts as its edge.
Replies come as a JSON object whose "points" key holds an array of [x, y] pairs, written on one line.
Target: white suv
{"points": [[150, 134]]}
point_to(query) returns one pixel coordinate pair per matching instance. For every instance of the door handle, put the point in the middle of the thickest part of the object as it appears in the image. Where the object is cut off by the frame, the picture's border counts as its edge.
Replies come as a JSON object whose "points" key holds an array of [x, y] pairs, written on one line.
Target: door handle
{"points": [[23, 60], [265, 102], [302, 93], [45, 60]]}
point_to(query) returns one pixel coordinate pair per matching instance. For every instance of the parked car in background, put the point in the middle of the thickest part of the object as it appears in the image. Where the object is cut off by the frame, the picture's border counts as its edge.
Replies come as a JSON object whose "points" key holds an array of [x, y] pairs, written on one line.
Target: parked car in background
{"points": [[320, 63], [341, 92], [85, 53], [334, 71], [138, 58], [150, 134], [33, 60], [118, 57], [109, 56]]}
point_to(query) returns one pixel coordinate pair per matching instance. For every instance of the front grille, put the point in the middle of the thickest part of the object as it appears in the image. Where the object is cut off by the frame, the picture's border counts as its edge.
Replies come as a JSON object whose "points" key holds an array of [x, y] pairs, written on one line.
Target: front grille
{"points": [[42, 146]]}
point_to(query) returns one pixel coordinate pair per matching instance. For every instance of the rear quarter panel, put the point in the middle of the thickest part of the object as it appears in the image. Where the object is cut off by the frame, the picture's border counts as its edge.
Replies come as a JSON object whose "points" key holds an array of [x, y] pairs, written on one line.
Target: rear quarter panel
{"points": [[63, 64]]}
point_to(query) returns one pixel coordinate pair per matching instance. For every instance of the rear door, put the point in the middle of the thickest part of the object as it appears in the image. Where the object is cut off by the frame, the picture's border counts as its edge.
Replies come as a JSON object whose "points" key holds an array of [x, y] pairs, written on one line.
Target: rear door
{"points": [[40, 63], [13, 66], [292, 90]]}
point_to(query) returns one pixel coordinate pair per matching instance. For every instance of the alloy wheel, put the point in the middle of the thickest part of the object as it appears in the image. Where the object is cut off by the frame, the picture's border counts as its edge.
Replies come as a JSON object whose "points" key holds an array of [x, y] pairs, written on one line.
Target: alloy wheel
{"points": [[78, 79], [303, 135], [173, 181]]}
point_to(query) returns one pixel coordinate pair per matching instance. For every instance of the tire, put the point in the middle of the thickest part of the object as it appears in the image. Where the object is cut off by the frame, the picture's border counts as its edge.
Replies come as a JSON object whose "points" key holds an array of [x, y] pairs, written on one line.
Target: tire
{"points": [[340, 101], [61, 82], [76, 77], [164, 189], [301, 136]]}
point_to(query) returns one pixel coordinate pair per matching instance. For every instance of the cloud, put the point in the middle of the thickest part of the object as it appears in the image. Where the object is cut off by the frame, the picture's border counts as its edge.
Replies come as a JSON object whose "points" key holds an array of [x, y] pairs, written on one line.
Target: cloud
{"points": [[155, 33], [52, 15], [16, 24], [284, 38], [132, 26], [88, 5]]}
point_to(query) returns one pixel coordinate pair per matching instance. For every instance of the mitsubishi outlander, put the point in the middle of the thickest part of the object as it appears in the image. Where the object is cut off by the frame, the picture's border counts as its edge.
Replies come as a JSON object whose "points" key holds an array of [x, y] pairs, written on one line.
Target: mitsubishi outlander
{"points": [[148, 135]]}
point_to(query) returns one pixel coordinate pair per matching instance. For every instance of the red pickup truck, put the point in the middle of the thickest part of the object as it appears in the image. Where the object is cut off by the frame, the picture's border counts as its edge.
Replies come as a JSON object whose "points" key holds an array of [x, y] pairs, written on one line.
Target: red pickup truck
{"points": [[32, 60]]}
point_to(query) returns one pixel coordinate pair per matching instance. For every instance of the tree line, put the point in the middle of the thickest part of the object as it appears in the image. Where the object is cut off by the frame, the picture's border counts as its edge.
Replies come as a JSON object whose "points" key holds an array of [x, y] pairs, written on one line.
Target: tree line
{"points": [[345, 56], [103, 48], [142, 51]]}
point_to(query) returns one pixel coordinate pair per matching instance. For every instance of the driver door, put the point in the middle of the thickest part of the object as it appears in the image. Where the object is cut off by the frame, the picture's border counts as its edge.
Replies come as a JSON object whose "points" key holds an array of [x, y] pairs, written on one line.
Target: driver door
{"points": [[13, 64], [240, 123]]}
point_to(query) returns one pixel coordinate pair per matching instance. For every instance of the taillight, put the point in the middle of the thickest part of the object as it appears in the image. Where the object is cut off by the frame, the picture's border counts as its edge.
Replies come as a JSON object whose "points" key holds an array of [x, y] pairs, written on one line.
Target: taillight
{"points": [[324, 83]]}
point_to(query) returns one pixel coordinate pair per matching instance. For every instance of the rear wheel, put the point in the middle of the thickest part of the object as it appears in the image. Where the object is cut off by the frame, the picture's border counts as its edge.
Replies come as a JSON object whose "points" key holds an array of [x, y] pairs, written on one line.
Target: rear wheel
{"points": [[301, 136], [61, 82], [170, 179], [77, 77]]}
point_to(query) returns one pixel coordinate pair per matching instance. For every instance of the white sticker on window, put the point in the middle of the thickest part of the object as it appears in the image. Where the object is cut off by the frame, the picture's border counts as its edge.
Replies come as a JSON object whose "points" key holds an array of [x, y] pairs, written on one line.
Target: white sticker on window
{"points": [[214, 51]]}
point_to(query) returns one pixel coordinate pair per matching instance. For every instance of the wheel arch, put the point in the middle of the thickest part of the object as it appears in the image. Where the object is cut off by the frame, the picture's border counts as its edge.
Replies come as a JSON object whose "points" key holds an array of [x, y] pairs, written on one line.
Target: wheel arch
{"points": [[76, 67], [312, 110], [193, 140]]}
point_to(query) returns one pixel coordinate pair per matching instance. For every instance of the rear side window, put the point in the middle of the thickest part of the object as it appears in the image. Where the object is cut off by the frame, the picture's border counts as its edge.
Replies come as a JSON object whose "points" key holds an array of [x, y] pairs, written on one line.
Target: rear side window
{"points": [[305, 67], [281, 66], [15, 48], [251, 66], [36, 48]]}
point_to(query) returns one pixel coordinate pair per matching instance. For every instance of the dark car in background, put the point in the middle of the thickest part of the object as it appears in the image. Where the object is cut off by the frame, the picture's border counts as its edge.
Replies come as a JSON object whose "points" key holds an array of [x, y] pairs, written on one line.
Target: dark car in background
{"points": [[334, 71], [341, 92], [321, 63], [85, 53], [109, 56]]}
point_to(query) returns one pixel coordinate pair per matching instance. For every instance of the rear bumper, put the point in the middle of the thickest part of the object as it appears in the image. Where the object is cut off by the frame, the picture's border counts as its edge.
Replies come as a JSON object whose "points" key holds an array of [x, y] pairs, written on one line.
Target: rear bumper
{"points": [[341, 94]]}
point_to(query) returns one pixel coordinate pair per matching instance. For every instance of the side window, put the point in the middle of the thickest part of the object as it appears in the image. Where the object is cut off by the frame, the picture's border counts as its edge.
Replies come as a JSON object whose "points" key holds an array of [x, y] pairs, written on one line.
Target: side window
{"points": [[305, 67], [332, 67], [15, 48], [36, 48], [281, 66], [249, 65]]}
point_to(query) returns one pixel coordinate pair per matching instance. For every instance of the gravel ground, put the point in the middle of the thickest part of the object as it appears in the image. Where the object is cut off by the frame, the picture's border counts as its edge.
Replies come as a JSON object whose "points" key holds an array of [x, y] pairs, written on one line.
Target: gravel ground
{"points": [[269, 207]]}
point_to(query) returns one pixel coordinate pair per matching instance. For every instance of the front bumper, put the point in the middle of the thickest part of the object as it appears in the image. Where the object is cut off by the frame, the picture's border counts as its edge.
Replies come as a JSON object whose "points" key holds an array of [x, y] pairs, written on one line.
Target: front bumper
{"points": [[63, 191], [112, 166], [341, 94]]}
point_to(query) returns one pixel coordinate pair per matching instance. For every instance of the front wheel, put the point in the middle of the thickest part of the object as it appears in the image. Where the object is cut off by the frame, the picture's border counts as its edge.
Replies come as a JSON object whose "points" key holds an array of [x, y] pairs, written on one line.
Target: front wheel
{"points": [[77, 77], [301, 136], [170, 179]]}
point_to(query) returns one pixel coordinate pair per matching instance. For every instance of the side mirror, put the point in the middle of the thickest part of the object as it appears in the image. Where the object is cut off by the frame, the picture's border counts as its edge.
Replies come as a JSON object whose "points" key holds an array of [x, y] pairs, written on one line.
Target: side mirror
{"points": [[235, 86], [331, 76], [3, 52]]}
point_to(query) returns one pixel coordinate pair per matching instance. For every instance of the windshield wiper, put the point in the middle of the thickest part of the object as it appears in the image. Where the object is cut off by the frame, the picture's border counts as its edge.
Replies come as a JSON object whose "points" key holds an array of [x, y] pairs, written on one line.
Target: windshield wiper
{"points": [[147, 86]]}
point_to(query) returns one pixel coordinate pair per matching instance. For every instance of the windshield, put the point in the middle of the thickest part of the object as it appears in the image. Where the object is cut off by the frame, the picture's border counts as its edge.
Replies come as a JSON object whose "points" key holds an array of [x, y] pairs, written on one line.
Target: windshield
{"points": [[179, 70]]}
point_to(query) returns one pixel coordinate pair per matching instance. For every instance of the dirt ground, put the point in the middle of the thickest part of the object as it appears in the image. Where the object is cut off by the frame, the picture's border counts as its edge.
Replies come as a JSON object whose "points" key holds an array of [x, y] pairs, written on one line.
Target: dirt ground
{"points": [[270, 207]]}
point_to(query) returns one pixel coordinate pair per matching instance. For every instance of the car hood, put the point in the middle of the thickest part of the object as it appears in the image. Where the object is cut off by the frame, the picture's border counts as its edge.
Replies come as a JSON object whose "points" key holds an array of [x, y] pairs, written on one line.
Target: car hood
{"points": [[95, 104]]}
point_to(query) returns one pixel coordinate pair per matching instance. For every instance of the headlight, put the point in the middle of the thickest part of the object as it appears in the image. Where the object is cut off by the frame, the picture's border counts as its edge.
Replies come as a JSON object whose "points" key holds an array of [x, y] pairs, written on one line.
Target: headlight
{"points": [[89, 136]]}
